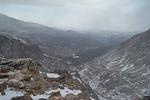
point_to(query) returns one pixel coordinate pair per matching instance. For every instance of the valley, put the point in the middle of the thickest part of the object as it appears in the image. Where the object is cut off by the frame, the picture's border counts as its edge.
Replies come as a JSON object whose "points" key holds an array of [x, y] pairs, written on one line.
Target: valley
{"points": [[38, 62]]}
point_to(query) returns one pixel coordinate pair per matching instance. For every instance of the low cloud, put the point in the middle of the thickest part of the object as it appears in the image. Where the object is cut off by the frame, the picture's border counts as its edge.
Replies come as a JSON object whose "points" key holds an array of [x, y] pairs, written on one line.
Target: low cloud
{"points": [[118, 15]]}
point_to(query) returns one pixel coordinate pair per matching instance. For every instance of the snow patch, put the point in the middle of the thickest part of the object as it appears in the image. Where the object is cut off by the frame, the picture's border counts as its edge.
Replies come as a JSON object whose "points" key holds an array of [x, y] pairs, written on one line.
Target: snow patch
{"points": [[63, 93], [66, 91], [74, 77], [53, 75], [127, 67], [21, 40], [37, 97], [10, 94], [92, 98]]}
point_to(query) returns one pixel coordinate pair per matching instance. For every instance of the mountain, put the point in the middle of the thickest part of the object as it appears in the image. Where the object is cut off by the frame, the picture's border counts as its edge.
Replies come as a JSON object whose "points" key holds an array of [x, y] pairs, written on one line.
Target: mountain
{"points": [[21, 78], [50, 40], [59, 51], [55, 42], [13, 47], [123, 73]]}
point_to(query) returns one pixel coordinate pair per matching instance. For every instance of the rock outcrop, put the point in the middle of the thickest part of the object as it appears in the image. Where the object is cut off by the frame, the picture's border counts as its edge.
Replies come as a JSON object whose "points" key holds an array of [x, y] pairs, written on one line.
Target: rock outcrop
{"points": [[21, 79], [22, 98]]}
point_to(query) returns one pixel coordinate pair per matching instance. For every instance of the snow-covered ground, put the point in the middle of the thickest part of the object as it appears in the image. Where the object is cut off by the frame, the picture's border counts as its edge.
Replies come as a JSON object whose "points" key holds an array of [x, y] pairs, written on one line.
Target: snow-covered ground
{"points": [[66, 91], [63, 93], [52, 75], [92, 98], [10, 93]]}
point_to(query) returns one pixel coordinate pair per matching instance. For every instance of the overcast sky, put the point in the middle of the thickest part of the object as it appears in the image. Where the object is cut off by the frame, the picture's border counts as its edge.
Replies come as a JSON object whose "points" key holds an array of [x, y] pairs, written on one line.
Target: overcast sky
{"points": [[117, 15]]}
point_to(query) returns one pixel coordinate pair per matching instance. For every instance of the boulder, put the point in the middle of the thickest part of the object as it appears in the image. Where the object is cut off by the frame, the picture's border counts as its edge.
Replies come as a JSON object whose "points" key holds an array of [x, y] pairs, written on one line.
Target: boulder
{"points": [[22, 98], [71, 97], [41, 99], [3, 86], [146, 98], [55, 96]]}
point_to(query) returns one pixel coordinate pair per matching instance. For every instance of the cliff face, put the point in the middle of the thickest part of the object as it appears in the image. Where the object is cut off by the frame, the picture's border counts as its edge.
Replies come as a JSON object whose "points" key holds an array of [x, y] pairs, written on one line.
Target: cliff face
{"points": [[123, 73], [21, 79]]}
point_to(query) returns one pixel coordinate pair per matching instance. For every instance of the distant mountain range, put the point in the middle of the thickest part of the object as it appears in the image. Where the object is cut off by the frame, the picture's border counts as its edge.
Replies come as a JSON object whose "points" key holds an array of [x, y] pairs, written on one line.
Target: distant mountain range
{"points": [[60, 43]]}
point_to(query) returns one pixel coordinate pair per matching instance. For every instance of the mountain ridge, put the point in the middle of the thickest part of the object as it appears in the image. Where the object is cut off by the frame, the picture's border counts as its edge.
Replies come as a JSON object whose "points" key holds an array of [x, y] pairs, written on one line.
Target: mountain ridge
{"points": [[123, 72]]}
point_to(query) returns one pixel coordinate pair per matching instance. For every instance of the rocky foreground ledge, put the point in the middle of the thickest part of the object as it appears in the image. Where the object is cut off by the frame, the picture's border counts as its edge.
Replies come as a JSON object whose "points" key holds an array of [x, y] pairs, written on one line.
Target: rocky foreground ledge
{"points": [[21, 79]]}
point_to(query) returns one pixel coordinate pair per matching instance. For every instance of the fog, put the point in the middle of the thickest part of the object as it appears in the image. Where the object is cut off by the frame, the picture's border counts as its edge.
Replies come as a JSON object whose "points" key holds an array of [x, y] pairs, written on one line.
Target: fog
{"points": [[116, 15]]}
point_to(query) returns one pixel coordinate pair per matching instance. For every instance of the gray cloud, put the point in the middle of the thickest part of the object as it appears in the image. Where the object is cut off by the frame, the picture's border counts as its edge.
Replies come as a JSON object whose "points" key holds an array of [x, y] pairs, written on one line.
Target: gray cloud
{"points": [[119, 15]]}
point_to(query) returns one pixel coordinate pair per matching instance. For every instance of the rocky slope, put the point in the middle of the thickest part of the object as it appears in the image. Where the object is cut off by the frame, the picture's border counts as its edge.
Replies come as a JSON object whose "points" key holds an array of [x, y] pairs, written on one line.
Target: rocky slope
{"points": [[21, 79], [123, 73], [13, 48]]}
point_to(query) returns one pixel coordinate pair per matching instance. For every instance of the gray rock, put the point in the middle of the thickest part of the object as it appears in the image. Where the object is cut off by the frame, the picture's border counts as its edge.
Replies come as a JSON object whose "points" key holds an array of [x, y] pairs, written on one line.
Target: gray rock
{"points": [[22, 98]]}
